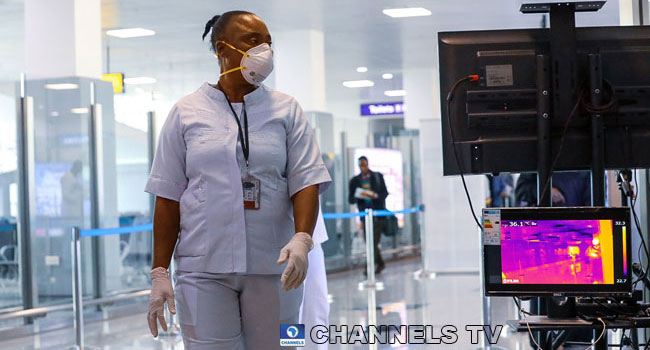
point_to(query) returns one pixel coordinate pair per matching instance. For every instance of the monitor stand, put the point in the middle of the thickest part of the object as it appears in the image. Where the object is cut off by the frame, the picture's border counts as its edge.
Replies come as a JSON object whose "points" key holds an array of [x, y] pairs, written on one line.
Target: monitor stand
{"points": [[561, 307]]}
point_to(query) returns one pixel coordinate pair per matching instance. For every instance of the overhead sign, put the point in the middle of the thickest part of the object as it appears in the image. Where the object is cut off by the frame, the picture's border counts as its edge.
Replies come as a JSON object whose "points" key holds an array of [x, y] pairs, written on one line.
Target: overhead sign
{"points": [[387, 108], [118, 81]]}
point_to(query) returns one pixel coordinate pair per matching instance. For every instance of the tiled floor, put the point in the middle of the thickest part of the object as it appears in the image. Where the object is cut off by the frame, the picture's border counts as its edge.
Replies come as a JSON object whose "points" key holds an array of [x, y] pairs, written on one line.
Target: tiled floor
{"points": [[445, 300]]}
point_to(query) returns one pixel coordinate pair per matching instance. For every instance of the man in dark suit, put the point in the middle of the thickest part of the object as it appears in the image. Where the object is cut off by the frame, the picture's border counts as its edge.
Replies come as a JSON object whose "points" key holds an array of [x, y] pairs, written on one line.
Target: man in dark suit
{"points": [[368, 191]]}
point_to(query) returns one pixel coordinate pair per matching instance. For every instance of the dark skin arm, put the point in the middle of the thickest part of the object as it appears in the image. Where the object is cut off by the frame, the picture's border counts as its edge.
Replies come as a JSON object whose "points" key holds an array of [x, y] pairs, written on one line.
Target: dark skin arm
{"points": [[305, 209], [166, 226]]}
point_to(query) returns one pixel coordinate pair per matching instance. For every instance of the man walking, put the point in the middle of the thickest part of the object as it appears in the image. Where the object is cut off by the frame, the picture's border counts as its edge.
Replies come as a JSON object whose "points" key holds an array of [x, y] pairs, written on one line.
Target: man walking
{"points": [[368, 191]]}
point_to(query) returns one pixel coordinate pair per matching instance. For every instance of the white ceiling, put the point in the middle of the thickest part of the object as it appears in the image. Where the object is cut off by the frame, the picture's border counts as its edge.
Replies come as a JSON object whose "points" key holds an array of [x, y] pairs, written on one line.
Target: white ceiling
{"points": [[356, 33]]}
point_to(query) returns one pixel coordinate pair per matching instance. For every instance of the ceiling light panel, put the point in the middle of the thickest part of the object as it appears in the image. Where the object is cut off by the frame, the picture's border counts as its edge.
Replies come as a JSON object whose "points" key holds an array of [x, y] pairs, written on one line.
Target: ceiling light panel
{"points": [[407, 12], [358, 83], [61, 86], [395, 93], [130, 33]]}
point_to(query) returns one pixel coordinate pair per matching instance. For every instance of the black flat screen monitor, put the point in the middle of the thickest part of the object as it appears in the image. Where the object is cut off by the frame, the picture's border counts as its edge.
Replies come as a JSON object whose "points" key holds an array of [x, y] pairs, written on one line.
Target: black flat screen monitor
{"points": [[494, 119], [557, 251]]}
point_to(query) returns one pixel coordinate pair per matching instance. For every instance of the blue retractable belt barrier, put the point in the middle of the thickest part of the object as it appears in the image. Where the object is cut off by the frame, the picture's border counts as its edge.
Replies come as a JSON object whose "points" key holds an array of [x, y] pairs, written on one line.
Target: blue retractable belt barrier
{"points": [[326, 216], [7, 228], [330, 216], [115, 231]]}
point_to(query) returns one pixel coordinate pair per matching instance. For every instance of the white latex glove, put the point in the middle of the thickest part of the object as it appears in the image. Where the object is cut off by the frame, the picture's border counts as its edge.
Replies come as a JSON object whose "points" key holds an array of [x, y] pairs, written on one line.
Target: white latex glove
{"points": [[161, 291], [296, 252]]}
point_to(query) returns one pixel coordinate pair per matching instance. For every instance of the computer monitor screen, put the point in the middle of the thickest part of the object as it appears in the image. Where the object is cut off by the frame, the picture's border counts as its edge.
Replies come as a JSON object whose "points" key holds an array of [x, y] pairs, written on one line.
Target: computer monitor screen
{"points": [[565, 251], [497, 115]]}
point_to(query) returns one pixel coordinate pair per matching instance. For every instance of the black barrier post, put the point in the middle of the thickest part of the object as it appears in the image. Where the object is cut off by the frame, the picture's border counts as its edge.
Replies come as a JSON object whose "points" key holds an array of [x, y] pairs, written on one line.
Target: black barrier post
{"points": [[77, 289]]}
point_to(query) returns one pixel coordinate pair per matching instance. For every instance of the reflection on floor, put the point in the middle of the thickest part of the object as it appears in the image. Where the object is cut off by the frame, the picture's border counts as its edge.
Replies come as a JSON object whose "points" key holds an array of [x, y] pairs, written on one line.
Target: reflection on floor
{"points": [[445, 300]]}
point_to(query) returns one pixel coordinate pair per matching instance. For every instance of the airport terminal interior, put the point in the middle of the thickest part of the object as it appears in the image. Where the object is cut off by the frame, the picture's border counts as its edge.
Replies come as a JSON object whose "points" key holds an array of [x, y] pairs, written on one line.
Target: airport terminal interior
{"points": [[464, 107]]}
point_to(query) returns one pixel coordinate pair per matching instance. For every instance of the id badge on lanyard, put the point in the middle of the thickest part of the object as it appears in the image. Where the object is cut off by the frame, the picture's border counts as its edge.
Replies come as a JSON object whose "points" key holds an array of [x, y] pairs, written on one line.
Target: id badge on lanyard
{"points": [[252, 191], [251, 186]]}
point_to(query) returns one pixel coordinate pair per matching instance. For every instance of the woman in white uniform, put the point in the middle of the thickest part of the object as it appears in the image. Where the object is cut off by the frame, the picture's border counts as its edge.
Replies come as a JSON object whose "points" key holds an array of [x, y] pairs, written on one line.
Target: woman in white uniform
{"points": [[237, 174]]}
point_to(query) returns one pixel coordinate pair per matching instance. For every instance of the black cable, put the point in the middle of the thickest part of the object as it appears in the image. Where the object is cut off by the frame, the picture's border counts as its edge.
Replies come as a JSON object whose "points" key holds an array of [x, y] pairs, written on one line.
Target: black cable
{"points": [[645, 247], [611, 308], [450, 97], [638, 226], [610, 106], [643, 244], [519, 309]]}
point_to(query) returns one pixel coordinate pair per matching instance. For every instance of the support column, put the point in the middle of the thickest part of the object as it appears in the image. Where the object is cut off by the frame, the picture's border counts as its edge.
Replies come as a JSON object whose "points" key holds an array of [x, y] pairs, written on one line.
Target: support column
{"points": [[63, 38], [452, 238], [63, 65], [300, 72], [300, 67], [422, 98]]}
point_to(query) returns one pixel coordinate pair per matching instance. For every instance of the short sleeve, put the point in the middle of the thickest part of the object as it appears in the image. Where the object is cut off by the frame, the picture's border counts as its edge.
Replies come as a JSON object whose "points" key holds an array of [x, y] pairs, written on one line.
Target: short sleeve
{"points": [[305, 166], [167, 178]]}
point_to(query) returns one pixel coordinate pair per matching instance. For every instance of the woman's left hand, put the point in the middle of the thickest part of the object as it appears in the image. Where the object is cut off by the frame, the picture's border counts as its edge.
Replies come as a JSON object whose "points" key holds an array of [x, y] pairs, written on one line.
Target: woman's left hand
{"points": [[296, 253]]}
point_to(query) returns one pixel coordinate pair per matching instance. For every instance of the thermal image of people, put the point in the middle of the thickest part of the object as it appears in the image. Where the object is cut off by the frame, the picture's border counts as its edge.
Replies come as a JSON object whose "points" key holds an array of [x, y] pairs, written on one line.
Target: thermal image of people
{"points": [[557, 252]]}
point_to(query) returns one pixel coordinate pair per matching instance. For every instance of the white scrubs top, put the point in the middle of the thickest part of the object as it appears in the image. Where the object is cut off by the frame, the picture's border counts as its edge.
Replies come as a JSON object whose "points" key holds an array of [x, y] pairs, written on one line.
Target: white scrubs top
{"points": [[199, 163]]}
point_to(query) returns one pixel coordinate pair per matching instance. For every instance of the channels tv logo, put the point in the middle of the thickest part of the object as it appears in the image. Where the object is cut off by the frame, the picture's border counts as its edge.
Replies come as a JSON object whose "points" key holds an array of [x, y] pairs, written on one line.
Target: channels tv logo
{"points": [[292, 335]]}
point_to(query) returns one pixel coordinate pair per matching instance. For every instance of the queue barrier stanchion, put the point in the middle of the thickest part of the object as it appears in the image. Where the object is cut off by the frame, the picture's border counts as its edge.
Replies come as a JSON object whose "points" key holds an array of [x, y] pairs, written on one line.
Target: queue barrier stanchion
{"points": [[77, 285], [370, 248], [370, 284], [369, 235], [77, 289]]}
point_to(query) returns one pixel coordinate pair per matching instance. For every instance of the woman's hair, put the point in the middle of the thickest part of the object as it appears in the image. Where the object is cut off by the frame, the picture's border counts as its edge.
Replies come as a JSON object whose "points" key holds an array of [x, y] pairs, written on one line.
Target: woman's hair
{"points": [[218, 24]]}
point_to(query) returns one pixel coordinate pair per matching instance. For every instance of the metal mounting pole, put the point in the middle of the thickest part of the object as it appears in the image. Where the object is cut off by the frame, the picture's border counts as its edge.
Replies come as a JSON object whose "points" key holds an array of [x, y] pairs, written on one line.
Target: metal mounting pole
{"points": [[77, 289], [597, 133], [544, 162]]}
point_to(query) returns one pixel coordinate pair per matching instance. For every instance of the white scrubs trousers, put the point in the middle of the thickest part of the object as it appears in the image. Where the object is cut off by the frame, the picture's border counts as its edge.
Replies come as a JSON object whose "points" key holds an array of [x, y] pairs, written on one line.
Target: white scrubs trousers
{"points": [[315, 308], [233, 311]]}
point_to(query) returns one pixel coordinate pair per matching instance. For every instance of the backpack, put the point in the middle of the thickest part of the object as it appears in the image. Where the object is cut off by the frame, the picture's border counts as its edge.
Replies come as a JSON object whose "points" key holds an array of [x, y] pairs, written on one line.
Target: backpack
{"points": [[390, 226]]}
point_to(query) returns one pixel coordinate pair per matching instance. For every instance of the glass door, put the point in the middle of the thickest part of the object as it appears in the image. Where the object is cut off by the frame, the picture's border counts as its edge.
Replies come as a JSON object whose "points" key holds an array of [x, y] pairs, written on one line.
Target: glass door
{"points": [[10, 266], [59, 188], [133, 124]]}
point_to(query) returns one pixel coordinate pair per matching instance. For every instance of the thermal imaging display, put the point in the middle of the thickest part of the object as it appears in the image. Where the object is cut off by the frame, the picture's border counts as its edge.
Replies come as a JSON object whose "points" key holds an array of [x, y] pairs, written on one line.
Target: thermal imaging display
{"points": [[556, 250]]}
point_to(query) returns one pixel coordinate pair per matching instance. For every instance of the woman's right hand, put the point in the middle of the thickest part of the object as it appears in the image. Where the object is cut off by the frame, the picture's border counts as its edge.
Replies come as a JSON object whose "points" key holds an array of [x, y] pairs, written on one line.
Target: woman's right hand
{"points": [[161, 291]]}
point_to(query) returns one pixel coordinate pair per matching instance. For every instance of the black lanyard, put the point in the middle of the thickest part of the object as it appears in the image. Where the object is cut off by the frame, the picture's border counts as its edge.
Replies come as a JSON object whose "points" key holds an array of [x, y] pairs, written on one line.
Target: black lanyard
{"points": [[245, 145]]}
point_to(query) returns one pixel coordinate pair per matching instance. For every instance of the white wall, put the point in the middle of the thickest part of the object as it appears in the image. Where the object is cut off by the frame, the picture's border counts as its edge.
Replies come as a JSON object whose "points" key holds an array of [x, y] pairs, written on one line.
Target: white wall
{"points": [[450, 234]]}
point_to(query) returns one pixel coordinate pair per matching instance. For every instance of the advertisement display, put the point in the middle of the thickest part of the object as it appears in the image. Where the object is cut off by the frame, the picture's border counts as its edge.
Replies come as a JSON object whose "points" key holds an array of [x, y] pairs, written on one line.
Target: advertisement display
{"points": [[389, 163]]}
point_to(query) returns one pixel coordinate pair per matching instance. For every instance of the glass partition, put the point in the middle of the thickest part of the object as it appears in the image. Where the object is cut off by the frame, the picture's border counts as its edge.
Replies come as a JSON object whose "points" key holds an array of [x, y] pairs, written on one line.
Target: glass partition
{"points": [[133, 204], [10, 280], [69, 187], [60, 189], [396, 156], [12, 64]]}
